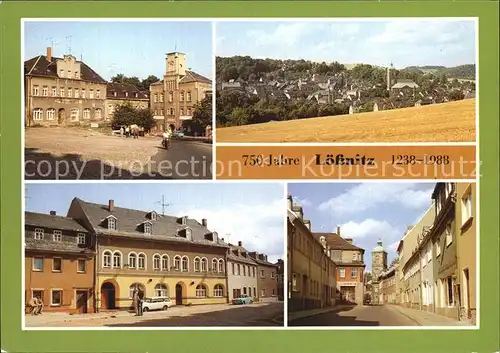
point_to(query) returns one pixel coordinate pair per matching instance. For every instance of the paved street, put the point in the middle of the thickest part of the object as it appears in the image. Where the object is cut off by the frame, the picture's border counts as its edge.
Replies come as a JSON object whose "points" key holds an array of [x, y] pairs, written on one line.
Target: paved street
{"points": [[257, 314], [183, 160], [377, 315]]}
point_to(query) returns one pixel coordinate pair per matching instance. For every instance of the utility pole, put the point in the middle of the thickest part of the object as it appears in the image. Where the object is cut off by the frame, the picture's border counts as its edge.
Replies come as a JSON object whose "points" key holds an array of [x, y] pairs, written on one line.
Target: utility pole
{"points": [[163, 204]]}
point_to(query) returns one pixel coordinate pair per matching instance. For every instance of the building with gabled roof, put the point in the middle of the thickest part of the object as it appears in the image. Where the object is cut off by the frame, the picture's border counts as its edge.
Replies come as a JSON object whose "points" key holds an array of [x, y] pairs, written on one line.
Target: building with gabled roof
{"points": [[59, 263], [122, 93], [242, 272], [173, 99], [161, 255], [62, 91]]}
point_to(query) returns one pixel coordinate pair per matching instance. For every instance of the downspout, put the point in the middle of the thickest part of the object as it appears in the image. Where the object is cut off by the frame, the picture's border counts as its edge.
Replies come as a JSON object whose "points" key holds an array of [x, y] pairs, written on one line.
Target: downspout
{"points": [[227, 275], [96, 264]]}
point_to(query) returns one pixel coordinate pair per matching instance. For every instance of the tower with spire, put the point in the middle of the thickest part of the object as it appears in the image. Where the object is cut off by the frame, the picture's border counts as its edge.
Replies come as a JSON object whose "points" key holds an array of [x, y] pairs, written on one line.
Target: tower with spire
{"points": [[379, 260], [389, 76]]}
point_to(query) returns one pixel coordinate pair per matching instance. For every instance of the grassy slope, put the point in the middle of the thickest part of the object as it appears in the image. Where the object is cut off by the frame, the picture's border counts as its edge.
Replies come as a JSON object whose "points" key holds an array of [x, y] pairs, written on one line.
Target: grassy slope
{"points": [[447, 122]]}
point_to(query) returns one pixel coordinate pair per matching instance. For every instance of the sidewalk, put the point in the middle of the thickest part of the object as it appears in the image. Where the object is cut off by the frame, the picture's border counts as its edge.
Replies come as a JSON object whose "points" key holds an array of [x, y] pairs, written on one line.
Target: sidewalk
{"points": [[426, 318], [306, 313]]}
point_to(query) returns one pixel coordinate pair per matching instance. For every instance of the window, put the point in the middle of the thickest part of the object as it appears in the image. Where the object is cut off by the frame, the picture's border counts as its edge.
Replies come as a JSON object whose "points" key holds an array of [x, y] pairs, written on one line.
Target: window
{"points": [[214, 266], [294, 282], [56, 297], [57, 236], [181, 112], [467, 207], [262, 292], [185, 263], [77, 93], [77, 74], [45, 91], [61, 92], [81, 239], [117, 260], [342, 273], [115, 94], [91, 93], [106, 259], [177, 263], [449, 291], [81, 266], [83, 93], [56, 264], [254, 270], [86, 113], [244, 270], [51, 114], [70, 92], [164, 263], [218, 291], [221, 266], [98, 113], [61, 73], [37, 114], [171, 111], [161, 290], [449, 234], [161, 112], [156, 262], [197, 265], [161, 97], [69, 74], [126, 94], [132, 260], [182, 96], [155, 97], [38, 263], [189, 96], [38, 233], [189, 111], [201, 291], [111, 223], [170, 96], [35, 90], [153, 216], [239, 269], [261, 273], [204, 265], [147, 228], [274, 292], [156, 111], [53, 91], [98, 94], [272, 274], [74, 114], [354, 273], [254, 292], [141, 261]]}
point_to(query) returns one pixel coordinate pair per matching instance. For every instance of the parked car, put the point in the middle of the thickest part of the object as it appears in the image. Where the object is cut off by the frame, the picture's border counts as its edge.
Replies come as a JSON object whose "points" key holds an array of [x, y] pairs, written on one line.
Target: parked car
{"points": [[178, 134], [156, 303], [243, 299]]}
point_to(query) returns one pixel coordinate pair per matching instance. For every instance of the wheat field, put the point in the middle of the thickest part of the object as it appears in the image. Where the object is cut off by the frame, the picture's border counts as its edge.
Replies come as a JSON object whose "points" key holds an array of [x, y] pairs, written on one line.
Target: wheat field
{"points": [[447, 122]]}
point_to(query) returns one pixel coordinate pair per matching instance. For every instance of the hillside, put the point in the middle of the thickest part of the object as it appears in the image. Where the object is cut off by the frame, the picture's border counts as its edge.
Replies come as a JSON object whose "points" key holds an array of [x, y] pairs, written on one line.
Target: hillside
{"points": [[462, 71], [447, 122]]}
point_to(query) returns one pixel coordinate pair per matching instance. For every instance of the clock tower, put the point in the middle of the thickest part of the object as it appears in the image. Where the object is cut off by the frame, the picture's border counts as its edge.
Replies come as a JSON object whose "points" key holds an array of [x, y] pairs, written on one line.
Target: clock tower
{"points": [[379, 260]]}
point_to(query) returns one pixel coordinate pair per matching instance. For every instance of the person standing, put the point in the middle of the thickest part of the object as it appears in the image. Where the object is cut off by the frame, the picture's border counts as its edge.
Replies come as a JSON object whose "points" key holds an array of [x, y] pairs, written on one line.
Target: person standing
{"points": [[135, 299]]}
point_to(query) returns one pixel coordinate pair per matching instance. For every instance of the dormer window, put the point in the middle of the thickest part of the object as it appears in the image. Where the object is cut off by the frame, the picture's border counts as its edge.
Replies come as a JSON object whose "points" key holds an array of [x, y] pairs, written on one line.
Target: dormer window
{"points": [[182, 220], [148, 227], [111, 223], [153, 216]]}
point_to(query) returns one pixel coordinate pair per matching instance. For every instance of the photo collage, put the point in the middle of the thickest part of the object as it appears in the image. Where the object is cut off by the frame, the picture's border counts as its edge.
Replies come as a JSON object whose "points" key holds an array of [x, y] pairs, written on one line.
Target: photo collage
{"points": [[250, 173]]}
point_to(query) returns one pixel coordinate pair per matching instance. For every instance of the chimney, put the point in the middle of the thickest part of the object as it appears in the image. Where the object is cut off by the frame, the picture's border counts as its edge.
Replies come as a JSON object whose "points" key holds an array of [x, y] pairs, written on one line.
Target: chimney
{"points": [[349, 240], [222, 239], [49, 53], [265, 257], [111, 205], [338, 230], [240, 243], [52, 213], [204, 222]]}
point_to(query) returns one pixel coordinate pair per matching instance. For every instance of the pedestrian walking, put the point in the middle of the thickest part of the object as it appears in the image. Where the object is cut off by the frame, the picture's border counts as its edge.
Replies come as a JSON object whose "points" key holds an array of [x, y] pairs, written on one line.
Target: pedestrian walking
{"points": [[127, 131], [135, 299], [141, 312], [122, 131]]}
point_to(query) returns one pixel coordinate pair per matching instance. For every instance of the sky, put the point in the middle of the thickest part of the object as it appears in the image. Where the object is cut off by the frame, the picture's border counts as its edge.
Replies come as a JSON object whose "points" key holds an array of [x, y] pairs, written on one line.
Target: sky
{"points": [[366, 212], [251, 213], [132, 48], [402, 42]]}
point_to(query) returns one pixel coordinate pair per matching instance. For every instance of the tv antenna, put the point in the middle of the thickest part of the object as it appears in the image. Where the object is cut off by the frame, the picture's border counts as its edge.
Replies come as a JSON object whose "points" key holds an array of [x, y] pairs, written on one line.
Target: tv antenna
{"points": [[68, 38], [53, 41], [163, 204]]}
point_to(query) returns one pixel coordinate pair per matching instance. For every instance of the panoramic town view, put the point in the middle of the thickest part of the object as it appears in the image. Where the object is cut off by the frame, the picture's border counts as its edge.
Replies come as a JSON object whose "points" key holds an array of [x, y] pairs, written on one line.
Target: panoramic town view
{"points": [[381, 81], [118, 100], [179, 255], [389, 254]]}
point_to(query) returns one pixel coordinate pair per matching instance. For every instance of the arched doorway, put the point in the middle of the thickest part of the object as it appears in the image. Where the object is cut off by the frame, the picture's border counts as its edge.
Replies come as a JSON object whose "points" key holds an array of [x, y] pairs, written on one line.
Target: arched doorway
{"points": [[61, 116], [108, 296], [171, 127], [179, 293]]}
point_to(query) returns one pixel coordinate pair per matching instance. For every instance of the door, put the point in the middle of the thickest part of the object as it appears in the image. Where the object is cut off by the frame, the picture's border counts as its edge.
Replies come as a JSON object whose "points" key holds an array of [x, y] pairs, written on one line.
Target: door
{"points": [[81, 301], [61, 116], [178, 294], [108, 296]]}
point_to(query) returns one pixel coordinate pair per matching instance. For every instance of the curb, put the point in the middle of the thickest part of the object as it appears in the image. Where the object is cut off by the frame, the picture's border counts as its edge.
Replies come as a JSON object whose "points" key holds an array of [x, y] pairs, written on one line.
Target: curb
{"points": [[406, 315], [313, 314]]}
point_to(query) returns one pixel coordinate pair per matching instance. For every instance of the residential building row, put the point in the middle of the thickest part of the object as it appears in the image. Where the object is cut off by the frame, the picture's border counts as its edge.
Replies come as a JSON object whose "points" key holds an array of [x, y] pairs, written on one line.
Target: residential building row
{"points": [[436, 267], [66, 91], [324, 268], [92, 259]]}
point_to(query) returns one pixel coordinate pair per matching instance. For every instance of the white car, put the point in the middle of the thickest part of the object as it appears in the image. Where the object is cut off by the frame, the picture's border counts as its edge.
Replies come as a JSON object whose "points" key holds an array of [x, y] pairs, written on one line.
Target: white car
{"points": [[156, 303]]}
